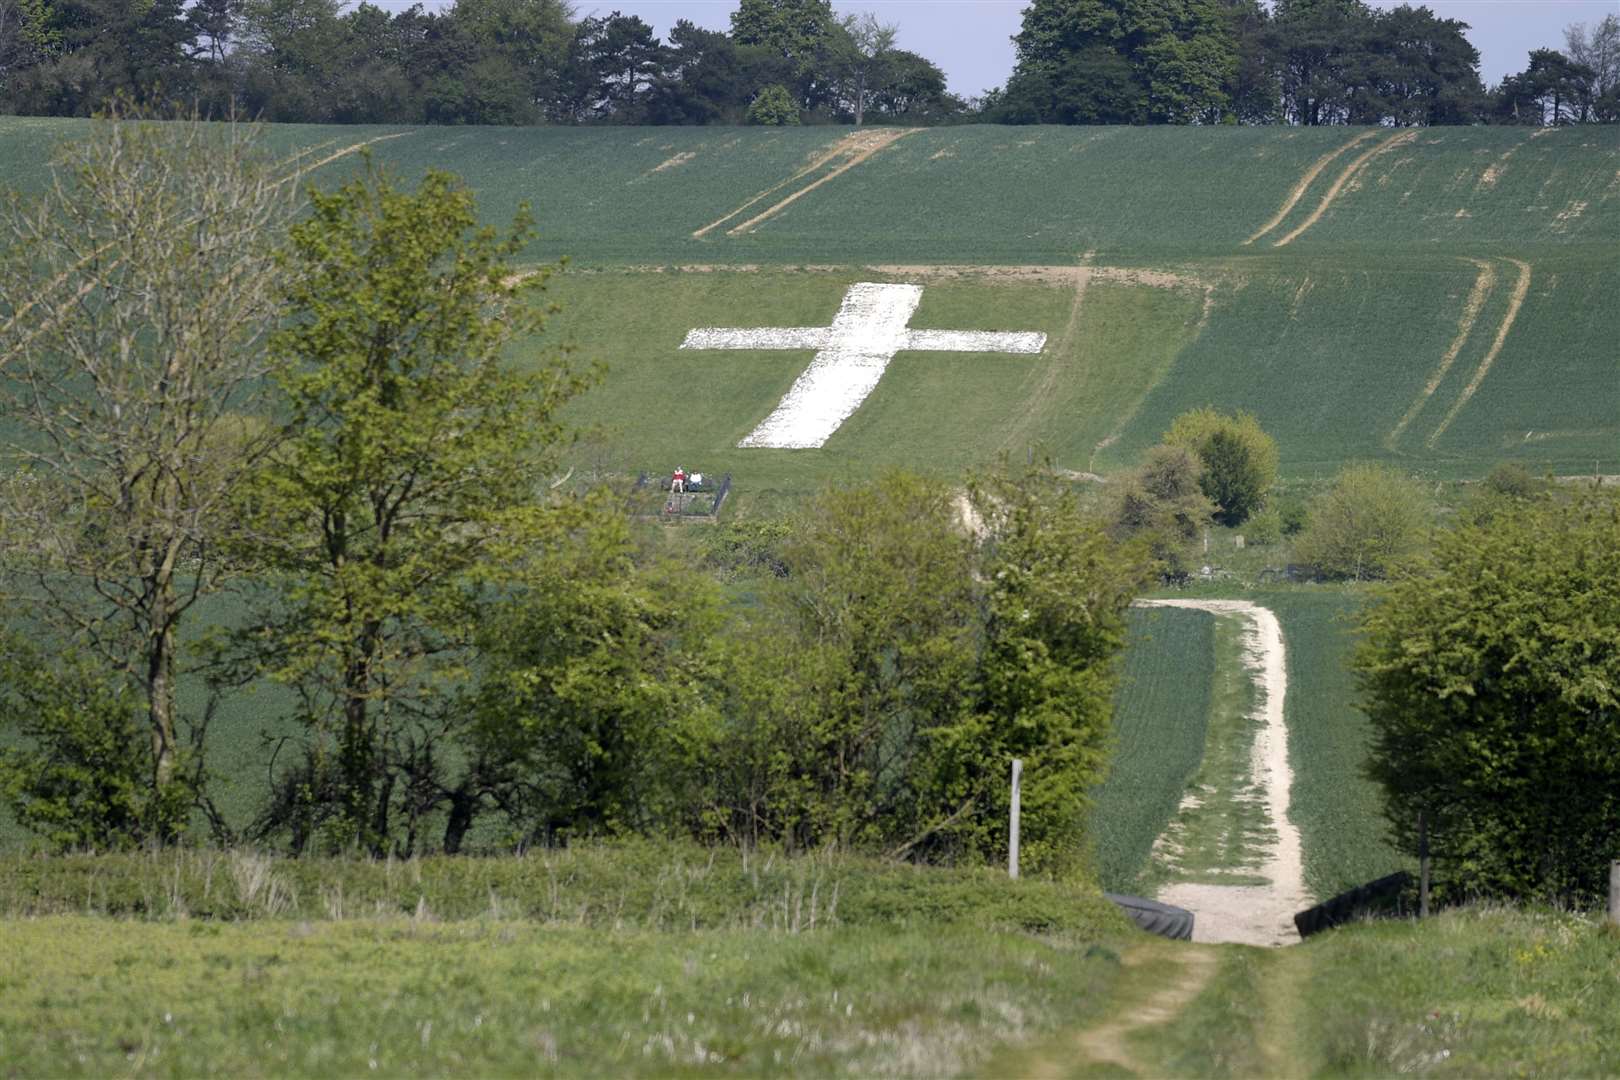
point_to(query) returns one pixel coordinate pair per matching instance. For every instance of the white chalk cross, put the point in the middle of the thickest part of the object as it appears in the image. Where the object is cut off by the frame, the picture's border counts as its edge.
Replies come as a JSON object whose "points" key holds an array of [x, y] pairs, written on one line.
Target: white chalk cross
{"points": [[851, 354]]}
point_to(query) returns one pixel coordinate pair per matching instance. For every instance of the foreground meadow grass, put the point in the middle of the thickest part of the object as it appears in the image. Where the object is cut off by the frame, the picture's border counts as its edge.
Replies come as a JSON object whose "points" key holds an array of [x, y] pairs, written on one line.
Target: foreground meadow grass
{"points": [[87, 996], [621, 959], [1477, 992]]}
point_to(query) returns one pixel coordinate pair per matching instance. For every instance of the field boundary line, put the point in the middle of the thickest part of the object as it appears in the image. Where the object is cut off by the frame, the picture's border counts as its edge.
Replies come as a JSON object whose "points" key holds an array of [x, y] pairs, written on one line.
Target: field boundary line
{"points": [[859, 156], [844, 145], [1344, 178], [1521, 289], [1484, 282], [1304, 184]]}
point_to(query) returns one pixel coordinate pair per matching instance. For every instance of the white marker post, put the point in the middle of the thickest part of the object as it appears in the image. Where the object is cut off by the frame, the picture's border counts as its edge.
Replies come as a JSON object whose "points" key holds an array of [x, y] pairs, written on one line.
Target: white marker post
{"points": [[1012, 827], [851, 356]]}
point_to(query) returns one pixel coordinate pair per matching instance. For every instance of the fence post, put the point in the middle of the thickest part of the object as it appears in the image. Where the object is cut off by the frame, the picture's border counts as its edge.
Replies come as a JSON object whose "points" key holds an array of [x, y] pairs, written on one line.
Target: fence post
{"points": [[1614, 892], [1423, 864], [1012, 825]]}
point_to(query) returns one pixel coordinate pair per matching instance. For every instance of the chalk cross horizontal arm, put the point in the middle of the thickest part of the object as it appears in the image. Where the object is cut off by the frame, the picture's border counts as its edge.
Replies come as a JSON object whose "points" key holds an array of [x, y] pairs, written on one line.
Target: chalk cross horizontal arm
{"points": [[851, 356]]}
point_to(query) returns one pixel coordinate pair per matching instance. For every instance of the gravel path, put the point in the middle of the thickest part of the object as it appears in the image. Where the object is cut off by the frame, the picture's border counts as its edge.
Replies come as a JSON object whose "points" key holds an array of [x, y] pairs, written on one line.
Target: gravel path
{"points": [[1254, 914]]}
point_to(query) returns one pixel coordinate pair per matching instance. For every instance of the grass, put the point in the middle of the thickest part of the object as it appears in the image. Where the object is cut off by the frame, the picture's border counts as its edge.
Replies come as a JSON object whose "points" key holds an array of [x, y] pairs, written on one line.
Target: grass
{"points": [[1475, 992], [1161, 716], [411, 998], [623, 959], [1218, 833], [644, 884]]}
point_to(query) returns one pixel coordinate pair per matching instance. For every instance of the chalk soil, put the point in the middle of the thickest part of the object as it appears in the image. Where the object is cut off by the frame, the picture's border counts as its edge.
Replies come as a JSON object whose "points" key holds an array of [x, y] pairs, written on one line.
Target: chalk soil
{"points": [[1255, 914]]}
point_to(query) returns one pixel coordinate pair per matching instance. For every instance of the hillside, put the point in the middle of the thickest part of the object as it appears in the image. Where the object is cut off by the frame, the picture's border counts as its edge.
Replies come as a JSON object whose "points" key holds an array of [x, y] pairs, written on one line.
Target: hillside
{"points": [[1436, 297]]}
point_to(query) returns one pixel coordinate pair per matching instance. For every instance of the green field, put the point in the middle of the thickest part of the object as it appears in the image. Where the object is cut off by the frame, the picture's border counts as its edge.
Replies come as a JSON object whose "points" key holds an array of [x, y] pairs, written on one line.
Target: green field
{"points": [[1339, 813], [1161, 715], [1439, 299]]}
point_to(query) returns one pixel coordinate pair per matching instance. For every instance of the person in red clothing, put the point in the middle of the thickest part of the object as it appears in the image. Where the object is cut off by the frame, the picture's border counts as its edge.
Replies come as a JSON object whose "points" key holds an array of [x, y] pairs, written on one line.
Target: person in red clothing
{"points": [[678, 484]]}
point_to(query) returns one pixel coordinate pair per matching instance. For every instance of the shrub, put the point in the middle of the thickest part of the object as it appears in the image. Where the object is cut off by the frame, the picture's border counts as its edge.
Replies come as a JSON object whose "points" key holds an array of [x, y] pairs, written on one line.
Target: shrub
{"points": [[1265, 528], [773, 107], [1240, 459], [1162, 503], [1369, 522], [1492, 680], [1513, 481], [80, 774]]}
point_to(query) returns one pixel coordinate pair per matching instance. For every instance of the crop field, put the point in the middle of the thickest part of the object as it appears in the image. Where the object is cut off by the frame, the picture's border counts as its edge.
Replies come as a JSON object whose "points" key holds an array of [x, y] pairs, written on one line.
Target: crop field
{"points": [[1161, 715], [1343, 831], [1438, 299]]}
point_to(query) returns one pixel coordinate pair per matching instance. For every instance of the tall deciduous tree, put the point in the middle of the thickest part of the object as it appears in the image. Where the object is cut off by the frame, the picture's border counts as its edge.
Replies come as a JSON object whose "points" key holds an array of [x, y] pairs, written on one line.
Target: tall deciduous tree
{"points": [[1597, 48], [410, 478], [135, 299], [1111, 61]]}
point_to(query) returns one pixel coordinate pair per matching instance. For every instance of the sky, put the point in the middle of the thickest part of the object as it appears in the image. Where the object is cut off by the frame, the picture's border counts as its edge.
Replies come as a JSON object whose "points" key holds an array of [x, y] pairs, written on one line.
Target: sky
{"points": [[971, 39]]}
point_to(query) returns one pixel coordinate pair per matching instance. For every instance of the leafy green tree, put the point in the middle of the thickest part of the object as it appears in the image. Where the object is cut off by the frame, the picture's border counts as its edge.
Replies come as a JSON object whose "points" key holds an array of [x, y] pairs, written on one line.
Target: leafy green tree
{"points": [[87, 52], [794, 29], [1057, 588], [1369, 523], [773, 107], [409, 479], [884, 687], [879, 588], [135, 298], [1492, 681], [594, 696], [1112, 61], [1319, 49], [616, 60], [1421, 71], [1239, 458]]}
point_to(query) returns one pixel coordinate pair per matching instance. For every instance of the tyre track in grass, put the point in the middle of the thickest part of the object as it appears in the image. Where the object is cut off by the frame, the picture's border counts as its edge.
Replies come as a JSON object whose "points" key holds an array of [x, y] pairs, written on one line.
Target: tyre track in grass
{"points": [[1521, 289], [1344, 179], [1483, 283], [856, 147], [1057, 363], [1304, 185], [1108, 1042]]}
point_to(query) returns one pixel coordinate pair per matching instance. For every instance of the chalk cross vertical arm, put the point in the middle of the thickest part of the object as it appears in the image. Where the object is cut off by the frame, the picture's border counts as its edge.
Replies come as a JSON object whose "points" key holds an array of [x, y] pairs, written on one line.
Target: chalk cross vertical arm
{"points": [[851, 356]]}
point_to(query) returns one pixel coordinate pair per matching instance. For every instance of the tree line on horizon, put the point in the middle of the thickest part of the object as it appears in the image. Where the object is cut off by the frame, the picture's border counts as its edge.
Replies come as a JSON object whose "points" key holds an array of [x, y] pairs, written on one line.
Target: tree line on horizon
{"points": [[527, 62]]}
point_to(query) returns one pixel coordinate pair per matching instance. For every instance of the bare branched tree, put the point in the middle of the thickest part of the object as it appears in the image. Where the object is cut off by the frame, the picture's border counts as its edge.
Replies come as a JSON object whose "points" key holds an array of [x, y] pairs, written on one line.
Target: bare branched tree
{"points": [[135, 297]]}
